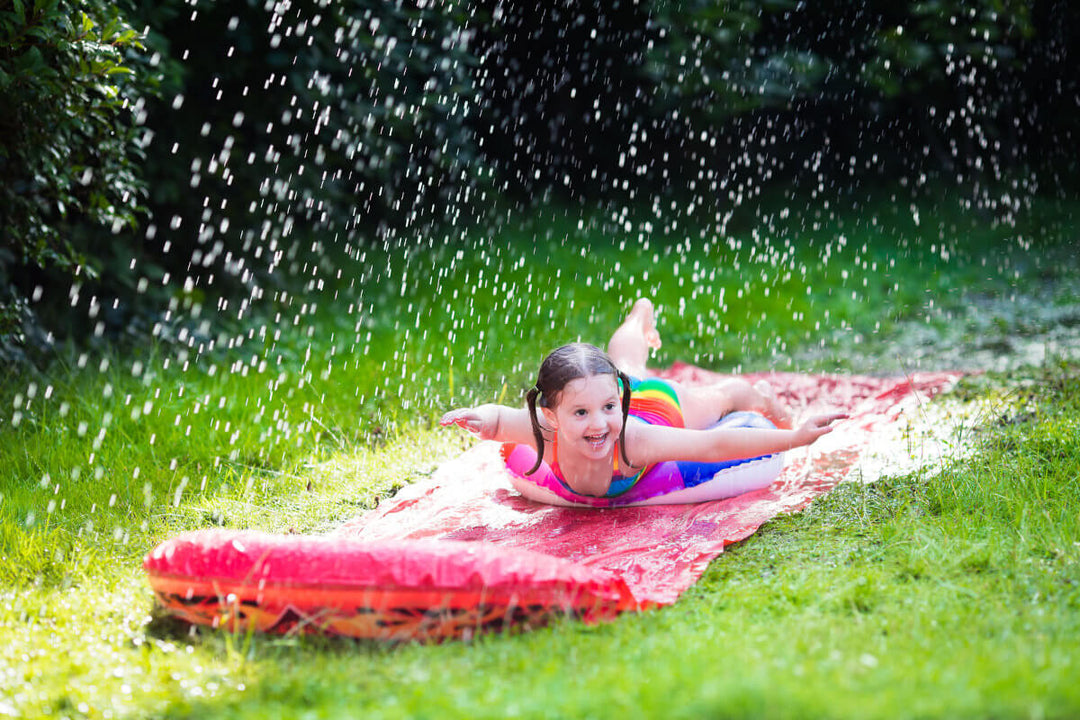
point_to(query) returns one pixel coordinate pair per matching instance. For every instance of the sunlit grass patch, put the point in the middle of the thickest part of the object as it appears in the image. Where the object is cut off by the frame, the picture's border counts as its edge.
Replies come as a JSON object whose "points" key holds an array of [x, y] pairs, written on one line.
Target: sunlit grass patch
{"points": [[86, 652], [320, 494], [949, 590]]}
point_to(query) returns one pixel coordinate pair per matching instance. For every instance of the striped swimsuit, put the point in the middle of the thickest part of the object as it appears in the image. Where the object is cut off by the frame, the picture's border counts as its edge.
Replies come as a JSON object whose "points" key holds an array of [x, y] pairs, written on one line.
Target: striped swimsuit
{"points": [[653, 401]]}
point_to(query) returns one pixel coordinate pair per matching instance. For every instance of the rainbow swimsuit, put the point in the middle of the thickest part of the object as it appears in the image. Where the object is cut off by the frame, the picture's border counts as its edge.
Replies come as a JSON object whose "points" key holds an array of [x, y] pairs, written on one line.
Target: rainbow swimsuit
{"points": [[653, 401]]}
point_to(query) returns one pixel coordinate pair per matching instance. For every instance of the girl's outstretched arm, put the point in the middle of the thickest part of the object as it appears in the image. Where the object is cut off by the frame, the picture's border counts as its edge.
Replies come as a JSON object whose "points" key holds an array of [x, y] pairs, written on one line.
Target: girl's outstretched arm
{"points": [[647, 444], [493, 422]]}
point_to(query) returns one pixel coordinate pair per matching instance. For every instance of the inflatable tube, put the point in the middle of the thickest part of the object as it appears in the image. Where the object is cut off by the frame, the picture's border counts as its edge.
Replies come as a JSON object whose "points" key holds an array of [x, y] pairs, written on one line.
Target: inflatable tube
{"points": [[395, 590], [668, 483]]}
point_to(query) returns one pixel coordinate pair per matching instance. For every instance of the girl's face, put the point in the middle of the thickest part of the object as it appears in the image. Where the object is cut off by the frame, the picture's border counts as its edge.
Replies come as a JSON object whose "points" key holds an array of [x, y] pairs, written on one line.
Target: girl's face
{"points": [[588, 416]]}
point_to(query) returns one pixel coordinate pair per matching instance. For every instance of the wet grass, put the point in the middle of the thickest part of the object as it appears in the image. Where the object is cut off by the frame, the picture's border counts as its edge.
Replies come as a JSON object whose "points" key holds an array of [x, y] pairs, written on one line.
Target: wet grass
{"points": [[943, 594]]}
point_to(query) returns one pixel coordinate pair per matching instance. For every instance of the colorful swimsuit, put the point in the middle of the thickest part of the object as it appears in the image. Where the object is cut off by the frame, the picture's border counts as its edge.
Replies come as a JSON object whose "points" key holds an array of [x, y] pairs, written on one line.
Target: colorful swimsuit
{"points": [[655, 402]]}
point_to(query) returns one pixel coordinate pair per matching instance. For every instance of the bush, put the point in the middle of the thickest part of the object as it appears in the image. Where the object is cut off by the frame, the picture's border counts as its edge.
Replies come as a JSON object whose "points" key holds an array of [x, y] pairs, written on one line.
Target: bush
{"points": [[69, 143], [249, 131]]}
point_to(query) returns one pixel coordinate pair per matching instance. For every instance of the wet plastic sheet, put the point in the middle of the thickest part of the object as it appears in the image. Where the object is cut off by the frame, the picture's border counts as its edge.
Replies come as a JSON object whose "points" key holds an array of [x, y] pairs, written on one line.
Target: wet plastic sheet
{"points": [[660, 551]]}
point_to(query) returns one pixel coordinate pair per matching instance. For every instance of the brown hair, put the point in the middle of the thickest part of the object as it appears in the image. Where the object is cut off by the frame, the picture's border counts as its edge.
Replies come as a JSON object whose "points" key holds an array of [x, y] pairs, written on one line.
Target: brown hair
{"points": [[561, 367]]}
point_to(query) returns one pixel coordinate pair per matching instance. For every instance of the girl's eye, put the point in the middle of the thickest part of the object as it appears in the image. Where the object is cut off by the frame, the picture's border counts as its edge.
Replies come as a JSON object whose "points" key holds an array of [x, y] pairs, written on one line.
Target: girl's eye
{"points": [[579, 413], [609, 407]]}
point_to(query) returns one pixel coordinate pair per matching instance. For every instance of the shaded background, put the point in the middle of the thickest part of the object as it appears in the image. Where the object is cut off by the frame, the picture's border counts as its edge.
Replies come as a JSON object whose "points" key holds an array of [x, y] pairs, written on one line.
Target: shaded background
{"points": [[163, 163]]}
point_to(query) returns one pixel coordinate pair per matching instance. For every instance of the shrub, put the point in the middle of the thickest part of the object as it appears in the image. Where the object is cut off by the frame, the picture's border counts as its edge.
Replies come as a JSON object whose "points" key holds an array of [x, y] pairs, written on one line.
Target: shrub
{"points": [[69, 140]]}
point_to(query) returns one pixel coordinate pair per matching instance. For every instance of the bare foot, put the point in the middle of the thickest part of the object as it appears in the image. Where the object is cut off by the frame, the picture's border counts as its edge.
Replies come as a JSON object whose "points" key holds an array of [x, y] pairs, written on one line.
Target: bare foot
{"points": [[644, 316], [771, 407], [629, 345]]}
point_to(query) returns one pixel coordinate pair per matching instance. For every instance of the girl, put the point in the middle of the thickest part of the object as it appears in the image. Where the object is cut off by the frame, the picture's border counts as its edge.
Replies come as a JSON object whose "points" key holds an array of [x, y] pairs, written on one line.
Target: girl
{"points": [[602, 427]]}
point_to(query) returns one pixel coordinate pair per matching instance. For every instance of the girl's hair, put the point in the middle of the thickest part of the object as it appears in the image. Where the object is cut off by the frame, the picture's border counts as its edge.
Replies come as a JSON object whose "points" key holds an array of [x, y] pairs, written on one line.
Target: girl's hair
{"points": [[561, 367]]}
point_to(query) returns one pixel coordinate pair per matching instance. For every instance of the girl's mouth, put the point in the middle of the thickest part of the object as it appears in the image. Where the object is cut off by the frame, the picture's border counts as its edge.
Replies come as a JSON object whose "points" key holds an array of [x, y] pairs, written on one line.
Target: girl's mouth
{"points": [[596, 441]]}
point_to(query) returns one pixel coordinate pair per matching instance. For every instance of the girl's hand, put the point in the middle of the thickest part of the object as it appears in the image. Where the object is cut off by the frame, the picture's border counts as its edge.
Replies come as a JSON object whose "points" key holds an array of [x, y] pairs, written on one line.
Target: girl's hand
{"points": [[816, 426], [481, 421]]}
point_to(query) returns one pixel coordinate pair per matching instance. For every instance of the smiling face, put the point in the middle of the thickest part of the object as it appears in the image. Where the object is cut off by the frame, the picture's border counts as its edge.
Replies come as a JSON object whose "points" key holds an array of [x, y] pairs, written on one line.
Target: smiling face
{"points": [[588, 416]]}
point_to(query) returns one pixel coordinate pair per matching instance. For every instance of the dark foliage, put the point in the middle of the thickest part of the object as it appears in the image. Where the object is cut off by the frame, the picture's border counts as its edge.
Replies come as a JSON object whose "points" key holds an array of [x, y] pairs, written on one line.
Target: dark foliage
{"points": [[337, 118], [220, 157], [69, 143]]}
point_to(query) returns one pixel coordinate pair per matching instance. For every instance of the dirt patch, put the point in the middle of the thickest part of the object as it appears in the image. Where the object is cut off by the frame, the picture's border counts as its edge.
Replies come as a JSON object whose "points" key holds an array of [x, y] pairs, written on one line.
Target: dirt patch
{"points": [[1033, 324]]}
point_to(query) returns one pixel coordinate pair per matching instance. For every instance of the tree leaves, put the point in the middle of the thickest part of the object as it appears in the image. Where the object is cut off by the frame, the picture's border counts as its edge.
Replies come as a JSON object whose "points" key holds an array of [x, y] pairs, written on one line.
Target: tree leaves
{"points": [[62, 79]]}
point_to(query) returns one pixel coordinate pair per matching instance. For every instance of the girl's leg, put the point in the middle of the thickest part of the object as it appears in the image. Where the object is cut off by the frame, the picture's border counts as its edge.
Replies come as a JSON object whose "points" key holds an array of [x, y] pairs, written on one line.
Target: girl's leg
{"points": [[630, 343], [703, 406]]}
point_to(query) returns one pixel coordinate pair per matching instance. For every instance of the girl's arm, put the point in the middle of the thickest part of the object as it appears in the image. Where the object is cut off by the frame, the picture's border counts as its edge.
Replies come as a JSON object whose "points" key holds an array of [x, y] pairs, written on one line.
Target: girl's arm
{"points": [[648, 444], [494, 422]]}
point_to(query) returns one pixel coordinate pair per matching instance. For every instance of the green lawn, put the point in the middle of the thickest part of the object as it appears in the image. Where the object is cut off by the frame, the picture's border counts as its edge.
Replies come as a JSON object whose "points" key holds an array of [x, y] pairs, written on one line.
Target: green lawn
{"points": [[944, 593]]}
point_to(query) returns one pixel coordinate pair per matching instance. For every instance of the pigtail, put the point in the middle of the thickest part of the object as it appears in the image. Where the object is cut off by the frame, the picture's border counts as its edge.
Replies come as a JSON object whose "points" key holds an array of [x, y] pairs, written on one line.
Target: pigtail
{"points": [[531, 400], [625, 380]]}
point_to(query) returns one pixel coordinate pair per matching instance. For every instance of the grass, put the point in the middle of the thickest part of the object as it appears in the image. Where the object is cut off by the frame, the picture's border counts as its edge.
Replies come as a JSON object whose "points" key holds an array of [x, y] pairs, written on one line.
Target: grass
{"points": [[952, 593]]}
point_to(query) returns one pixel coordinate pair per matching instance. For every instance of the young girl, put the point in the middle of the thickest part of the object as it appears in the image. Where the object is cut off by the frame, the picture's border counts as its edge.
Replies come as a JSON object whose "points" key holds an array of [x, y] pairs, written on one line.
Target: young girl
{"points": [[602, 427]]}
